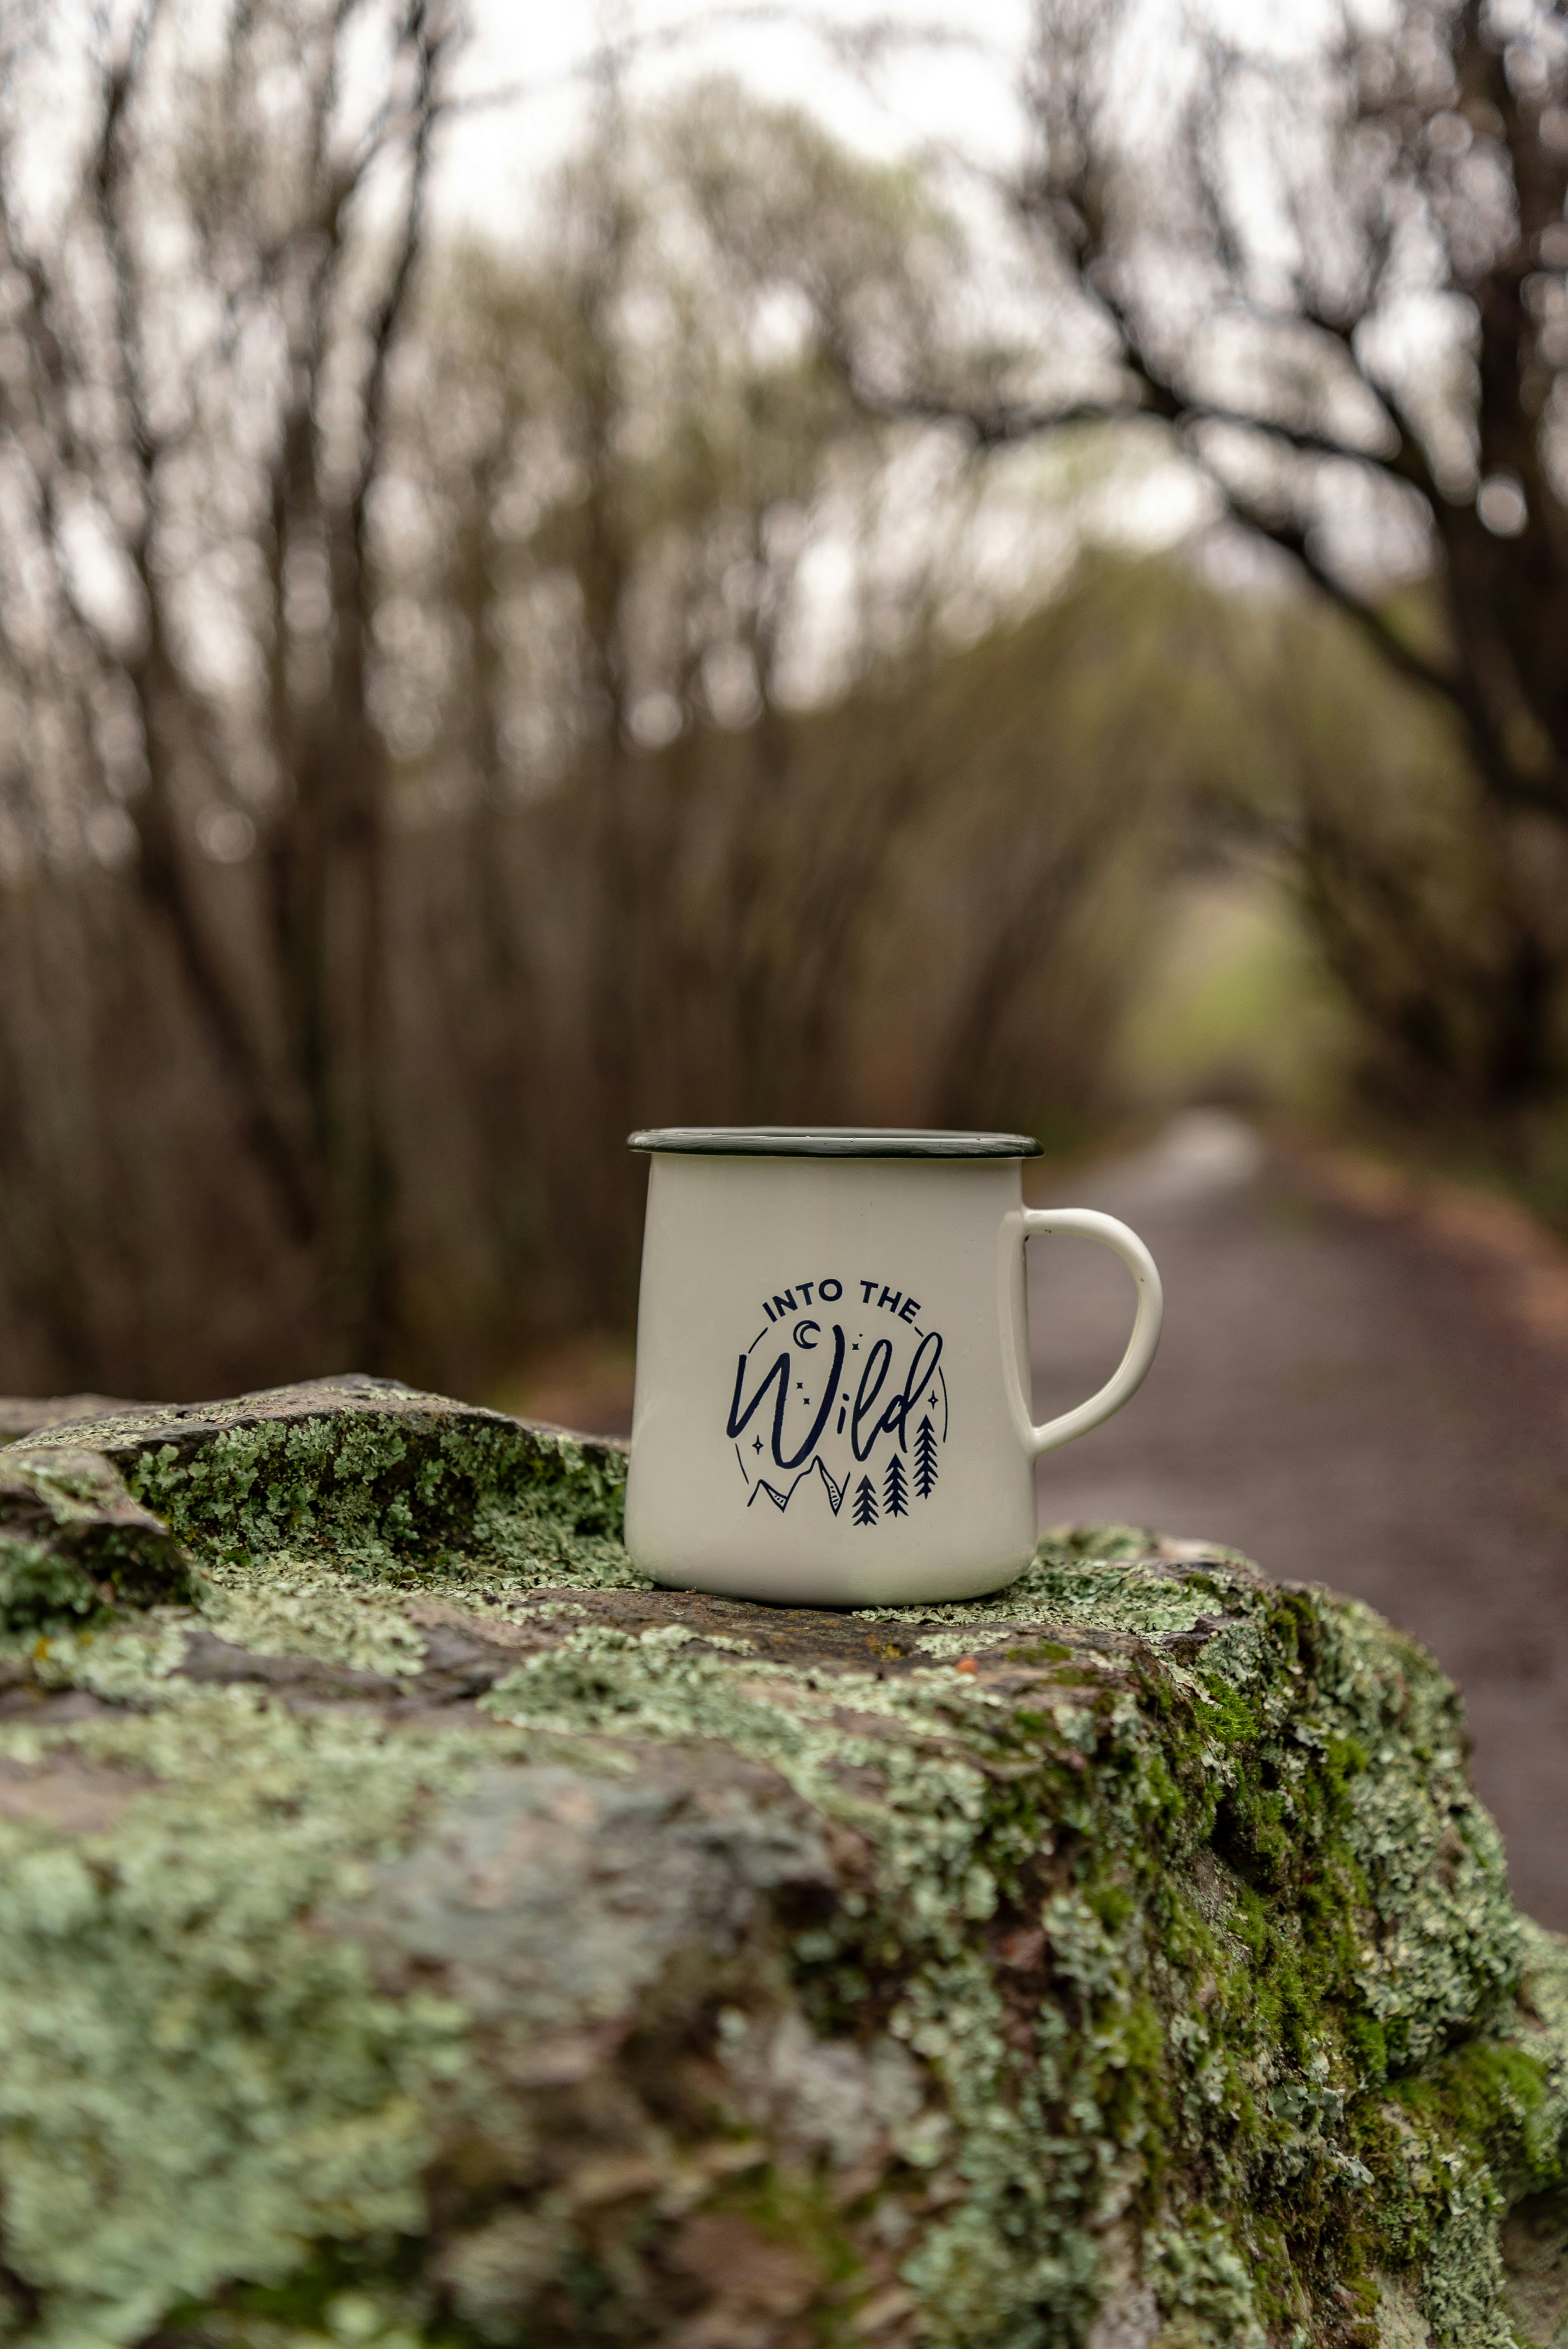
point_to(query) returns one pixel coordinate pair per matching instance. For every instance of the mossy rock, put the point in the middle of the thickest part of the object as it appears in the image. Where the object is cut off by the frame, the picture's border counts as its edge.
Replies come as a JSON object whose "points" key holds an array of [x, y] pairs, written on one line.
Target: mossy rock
{"points": [[74, 1542], [419, 1931]]}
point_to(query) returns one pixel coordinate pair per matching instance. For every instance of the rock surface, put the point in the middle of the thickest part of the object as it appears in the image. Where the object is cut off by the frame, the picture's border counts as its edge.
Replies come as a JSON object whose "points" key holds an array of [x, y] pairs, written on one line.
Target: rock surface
{"points": [[420, 1930]]}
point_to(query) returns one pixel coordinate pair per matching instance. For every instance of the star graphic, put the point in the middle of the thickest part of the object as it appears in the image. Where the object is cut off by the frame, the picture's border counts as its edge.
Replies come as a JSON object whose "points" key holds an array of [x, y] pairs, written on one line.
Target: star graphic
{"points": [[758, 1445]]}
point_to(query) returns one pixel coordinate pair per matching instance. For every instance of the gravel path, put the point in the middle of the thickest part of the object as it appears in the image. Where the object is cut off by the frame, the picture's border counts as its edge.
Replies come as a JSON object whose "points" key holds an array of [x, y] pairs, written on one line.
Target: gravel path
{"points": [[1350, 1401]]}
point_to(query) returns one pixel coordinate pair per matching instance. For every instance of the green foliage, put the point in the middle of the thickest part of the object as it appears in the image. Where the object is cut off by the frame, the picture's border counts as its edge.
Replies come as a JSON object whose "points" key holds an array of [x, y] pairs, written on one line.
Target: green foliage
{"points": [[1234, 1001]]}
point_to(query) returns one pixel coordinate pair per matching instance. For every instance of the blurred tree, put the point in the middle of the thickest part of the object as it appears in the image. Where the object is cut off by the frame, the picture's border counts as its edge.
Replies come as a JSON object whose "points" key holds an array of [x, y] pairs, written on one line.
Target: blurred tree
{"points": [[408, 676], [1424, 895], [644, 445], [1334, 271], [201, 317]]}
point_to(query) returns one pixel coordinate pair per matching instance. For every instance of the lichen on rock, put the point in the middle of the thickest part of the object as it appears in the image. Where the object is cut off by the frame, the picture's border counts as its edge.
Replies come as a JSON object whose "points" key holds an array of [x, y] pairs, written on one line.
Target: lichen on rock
{"points": [[422, 1931], [73, 1542]]}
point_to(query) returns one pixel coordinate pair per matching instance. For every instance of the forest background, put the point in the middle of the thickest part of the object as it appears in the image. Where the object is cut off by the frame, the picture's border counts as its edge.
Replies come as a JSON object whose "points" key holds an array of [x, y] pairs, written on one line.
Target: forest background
{"points": [[695, 655]]}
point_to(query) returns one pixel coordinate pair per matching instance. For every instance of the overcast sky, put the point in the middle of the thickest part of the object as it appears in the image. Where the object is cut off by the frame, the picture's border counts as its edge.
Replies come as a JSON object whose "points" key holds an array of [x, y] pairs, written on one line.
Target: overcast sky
{"points": [[955, 92]]}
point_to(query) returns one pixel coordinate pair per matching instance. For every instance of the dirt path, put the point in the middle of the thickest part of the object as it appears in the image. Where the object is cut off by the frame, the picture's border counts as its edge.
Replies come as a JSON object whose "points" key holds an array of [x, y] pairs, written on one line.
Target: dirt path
{"points": [[1350, 1401]]}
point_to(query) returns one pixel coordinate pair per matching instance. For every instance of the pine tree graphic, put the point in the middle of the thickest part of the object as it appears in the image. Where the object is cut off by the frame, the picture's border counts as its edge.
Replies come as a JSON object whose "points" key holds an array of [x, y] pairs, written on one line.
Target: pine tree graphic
{"points": [[895, 1489], [924, 1460], [865, 1503]]}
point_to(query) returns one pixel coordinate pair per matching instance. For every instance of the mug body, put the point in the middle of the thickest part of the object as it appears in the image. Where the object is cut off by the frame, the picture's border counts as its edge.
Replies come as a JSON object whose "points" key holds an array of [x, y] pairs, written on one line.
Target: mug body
{"points": [[821, 1413]]}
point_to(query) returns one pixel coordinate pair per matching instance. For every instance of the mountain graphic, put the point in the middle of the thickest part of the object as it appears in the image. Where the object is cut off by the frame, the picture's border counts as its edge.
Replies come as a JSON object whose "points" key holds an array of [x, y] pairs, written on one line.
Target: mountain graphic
{"points": [[782, 1500]]}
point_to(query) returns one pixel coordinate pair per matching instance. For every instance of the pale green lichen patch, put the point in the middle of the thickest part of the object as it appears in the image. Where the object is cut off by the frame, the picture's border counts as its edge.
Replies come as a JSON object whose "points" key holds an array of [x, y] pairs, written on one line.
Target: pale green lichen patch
{"points": [[1110, 1577], [196, 2084]]}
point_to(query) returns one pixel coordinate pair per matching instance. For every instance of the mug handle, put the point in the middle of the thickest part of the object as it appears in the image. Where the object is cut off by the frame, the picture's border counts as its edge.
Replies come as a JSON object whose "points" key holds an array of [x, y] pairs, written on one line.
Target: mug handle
{"points": [[1021, 1224]]}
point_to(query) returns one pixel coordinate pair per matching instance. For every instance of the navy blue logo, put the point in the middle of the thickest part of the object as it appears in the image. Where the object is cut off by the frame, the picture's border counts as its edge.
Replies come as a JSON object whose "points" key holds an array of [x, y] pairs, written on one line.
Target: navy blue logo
{"points": [[845, 1396]]}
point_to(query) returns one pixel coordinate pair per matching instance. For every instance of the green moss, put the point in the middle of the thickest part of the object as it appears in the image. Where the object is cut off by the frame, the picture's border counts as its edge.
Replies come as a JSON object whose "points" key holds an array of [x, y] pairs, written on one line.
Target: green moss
{"points": [[397, 1503], [39, 1587], [74, 1544]]}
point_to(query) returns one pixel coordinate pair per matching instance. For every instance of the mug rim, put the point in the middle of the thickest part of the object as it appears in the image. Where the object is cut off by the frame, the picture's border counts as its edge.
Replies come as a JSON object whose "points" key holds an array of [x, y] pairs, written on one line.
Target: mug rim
{"points": [[833, 1142]]}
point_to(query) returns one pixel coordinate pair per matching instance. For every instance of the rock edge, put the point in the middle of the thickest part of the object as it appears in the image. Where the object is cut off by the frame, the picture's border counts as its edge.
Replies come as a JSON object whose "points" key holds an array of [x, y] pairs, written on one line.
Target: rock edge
{"points": [[423, 1930]]}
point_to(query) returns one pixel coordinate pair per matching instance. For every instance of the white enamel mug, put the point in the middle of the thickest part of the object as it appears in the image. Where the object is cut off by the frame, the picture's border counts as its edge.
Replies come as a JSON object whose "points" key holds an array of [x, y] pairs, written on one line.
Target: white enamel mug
{"points": [[833, 1362]]}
